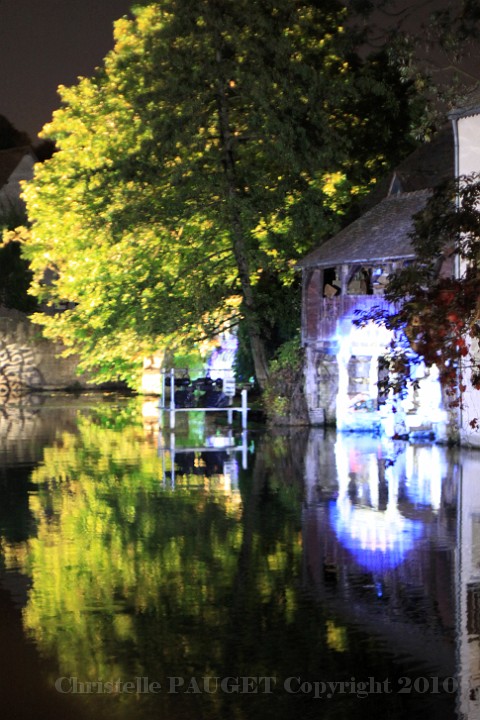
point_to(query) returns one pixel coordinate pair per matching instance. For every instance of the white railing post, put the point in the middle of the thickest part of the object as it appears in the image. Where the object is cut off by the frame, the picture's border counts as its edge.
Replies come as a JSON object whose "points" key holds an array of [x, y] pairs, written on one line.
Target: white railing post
{"points": [[244, 409], [172, 398]]}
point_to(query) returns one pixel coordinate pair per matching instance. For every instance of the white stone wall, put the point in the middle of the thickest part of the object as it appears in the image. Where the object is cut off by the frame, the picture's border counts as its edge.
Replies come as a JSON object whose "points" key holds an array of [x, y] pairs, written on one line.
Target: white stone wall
{"points": [[29, 361], [468, 161], [341, 381]]}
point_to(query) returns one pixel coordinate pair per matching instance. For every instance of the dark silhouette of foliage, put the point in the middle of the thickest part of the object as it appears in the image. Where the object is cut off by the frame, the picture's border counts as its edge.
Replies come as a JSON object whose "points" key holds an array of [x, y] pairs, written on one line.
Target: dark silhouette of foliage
{"points": [[10, 137]]}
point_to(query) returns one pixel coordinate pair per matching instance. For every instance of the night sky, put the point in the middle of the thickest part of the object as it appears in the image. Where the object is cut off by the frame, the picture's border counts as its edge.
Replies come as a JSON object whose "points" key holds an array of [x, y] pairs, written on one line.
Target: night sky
{"points": [[46, 43]]}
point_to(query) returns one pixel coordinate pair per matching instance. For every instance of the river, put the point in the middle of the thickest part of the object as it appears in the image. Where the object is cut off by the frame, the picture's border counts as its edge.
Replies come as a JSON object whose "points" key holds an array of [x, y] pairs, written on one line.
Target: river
{"points": [[203, 574]]}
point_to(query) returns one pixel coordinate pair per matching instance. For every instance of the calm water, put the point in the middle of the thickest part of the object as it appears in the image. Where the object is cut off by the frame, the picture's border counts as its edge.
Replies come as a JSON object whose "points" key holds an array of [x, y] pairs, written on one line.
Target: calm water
{"points": [[300, 575]]}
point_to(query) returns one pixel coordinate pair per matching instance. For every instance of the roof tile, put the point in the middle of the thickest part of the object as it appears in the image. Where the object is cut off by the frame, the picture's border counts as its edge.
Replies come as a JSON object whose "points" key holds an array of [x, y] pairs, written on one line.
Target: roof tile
{"points": [[382, 233]]}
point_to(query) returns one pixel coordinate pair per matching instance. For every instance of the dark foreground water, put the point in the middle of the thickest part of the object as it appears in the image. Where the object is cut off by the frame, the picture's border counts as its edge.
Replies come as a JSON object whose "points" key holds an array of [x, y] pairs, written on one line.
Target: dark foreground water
{"points": [[301, 575]]}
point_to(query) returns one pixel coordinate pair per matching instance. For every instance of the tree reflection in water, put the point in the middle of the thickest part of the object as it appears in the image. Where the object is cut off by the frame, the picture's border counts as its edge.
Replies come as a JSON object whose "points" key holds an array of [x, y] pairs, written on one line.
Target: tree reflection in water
{"points": [[131, 578]]}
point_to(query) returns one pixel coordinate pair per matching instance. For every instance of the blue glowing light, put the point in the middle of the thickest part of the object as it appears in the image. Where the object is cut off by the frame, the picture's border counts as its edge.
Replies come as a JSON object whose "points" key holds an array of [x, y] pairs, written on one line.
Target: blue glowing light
{"points": [[357, 400], [379, 541], [373, 474]]}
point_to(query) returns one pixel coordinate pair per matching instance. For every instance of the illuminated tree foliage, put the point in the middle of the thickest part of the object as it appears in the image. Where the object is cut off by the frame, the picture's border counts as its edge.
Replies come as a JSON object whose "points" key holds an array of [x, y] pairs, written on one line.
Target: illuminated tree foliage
{"points": [[437, 296], [220, 142]]}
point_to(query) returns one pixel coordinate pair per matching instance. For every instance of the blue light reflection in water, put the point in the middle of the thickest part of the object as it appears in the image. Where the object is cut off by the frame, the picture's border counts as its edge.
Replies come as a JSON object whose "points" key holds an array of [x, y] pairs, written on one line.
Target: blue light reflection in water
{"points": [[377, 541], [366, 514]]}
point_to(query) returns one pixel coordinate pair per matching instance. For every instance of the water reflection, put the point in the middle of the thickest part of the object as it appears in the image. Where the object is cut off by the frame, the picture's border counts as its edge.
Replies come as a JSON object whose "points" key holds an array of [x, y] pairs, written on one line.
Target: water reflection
{"points": [[203, 454], [135, 554], [366, 514], [468, 587]]}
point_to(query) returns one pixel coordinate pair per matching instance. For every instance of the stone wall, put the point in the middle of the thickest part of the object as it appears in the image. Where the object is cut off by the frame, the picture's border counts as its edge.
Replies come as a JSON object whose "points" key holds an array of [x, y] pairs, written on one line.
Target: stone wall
{"points": [[33, 422], [30, 362], [341, 384], [321, 384]]}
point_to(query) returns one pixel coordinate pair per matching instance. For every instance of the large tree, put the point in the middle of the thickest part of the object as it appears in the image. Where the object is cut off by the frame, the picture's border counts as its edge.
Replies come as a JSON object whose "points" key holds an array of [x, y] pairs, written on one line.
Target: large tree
{"points": [[221, 140]]}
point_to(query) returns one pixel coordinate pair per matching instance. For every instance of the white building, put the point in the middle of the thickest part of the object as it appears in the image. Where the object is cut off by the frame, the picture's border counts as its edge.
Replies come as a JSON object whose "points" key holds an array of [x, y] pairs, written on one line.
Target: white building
{"points": [[466, 132], [346, 275]]}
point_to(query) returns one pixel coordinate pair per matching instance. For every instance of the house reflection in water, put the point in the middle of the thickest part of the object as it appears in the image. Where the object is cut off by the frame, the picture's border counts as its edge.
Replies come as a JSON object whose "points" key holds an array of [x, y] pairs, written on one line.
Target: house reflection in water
{"points": [[375, 509], [468, 586]]}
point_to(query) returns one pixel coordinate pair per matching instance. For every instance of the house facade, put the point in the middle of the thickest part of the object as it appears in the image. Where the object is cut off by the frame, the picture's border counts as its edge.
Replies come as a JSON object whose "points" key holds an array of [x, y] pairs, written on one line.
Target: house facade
{"points": [[466, 132], [347, 275]]}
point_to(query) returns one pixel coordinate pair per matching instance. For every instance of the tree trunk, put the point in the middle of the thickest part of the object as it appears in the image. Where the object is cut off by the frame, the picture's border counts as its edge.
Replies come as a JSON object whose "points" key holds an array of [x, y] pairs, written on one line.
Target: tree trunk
{"points": [[257, 344], [251, 317]]}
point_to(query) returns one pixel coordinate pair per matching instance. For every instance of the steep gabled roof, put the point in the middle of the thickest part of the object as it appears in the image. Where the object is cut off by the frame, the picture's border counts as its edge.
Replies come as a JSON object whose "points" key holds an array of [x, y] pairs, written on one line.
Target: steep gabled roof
{"points": [[9, 161], [382, 233], [468, 105], [427, 166], [430, 164]]}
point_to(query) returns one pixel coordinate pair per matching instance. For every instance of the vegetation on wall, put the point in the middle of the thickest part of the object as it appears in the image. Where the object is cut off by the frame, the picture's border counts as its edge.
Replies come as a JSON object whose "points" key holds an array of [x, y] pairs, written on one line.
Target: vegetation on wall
{"points": [[284, 398], [437, 315]]}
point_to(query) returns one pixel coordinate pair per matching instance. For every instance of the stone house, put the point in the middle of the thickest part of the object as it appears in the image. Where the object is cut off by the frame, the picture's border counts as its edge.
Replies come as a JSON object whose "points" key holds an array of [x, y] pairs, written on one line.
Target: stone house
{"points": [[16, 165], [347, 274], [466, 133]]}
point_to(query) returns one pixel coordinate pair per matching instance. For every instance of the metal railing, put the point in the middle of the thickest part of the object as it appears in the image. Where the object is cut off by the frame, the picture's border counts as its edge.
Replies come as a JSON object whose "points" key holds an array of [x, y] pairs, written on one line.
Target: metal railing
{"points": [[229, 389]]}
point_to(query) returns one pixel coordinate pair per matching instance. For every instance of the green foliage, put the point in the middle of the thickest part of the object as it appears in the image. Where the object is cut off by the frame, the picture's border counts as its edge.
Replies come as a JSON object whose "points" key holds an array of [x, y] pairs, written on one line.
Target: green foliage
{"points": [[218, 144], [436, 46], [289, 356], [15, 279], [283, 398], [15, 274]]}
